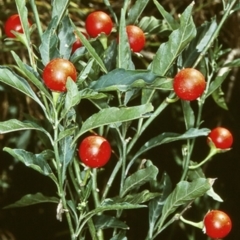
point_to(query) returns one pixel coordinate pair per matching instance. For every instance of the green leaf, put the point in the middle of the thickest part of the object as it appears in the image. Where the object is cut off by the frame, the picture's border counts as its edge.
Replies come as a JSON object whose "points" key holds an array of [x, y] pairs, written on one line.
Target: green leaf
{"points": [[136, 11], [123, 80], [170, 137], [218, 96], [156, 205], [23, 13], [172, 23], [178, 40], [38, 162], [10, 78], [217, 82], [194, 174], [49, 46], [184, 193], [152, 25], [105, 221], [120, 236], [72, 98], [14, 125], [124, 52], [32, 75], [234, 63], [66, 152], [198, 44], [90, 49], [137, 198], [66, 37], [114, 115], [59, 8], [31, 199], [139, 178], [188, 113]]}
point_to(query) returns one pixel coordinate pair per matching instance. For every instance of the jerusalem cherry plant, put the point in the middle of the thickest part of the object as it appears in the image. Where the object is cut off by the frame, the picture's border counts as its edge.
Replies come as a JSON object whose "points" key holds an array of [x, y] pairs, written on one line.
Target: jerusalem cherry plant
{"points": [[99, 157]]}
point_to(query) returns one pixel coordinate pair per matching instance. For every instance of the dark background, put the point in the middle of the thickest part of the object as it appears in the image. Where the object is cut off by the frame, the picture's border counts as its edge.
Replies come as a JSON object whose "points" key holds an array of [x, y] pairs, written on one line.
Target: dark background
{"points": [[39, 222]]}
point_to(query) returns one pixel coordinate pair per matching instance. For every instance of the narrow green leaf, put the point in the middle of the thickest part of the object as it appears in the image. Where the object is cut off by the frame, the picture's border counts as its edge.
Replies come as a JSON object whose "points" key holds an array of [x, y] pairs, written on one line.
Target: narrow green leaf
{"points": [[136, 11], [121, 235], [156, 204], [14, 125], [188, 113], [184, 193], [90, 49], [234, 63], [49, 46], [172, 23], [139, 178], [178, 40], [23, 13], [218, 96], [59, 7], [31, 75], [152, 25], [114, 115], [197, 45], [72, 97], [10, 78], [123, 80], [66, 37], [38, 162], [105, 221], [124, 52], [137, 198], [217, 82], [171, 137], [31, 199]]}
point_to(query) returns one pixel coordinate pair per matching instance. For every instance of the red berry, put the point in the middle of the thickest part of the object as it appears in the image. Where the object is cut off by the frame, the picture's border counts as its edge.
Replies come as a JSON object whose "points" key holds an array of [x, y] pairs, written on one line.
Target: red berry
{"points": [[98, 22], [217, 224], [189, 84], [94, 151], [136, 38], [56, 72], [221, 137], [13, 23]]}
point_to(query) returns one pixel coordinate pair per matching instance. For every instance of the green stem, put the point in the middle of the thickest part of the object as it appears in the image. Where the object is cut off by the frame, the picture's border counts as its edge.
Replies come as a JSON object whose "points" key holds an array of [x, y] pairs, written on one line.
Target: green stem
{"points": [[212, 152], [36, 16]]}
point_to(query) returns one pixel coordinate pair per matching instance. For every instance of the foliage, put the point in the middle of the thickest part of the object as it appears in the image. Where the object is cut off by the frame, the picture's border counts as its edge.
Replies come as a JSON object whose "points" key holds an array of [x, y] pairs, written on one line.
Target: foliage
{"points": [[126, 102]]}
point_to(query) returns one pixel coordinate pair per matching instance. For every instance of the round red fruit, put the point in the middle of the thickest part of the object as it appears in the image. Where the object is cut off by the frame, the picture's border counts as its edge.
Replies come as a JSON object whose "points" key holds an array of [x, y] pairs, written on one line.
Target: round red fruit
{"points": [[94, 151], [189, 84], [136, 38], [13, 23], [56, 73], [221, 137], [77, 44], [98, 22], [217, 224]]}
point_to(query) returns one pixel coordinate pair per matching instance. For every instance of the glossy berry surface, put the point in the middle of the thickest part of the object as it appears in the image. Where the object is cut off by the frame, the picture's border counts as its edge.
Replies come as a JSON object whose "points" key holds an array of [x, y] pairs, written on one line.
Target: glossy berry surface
{"points": [[217, 224], [94, 151], [98, 22], [221, 137], [189, 84], [13, 23], [136, 38], [56, 72]]}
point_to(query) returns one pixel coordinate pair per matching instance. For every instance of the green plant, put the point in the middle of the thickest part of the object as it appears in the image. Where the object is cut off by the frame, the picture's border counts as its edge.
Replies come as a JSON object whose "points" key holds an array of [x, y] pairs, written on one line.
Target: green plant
{"points": [[94, 151], [98, 22], [189, 84], [217, 224], [221, 137], [126, 100], [77, 44]]}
